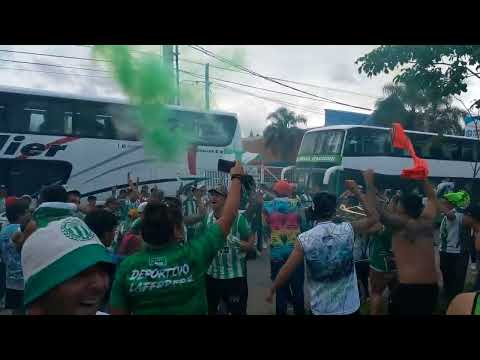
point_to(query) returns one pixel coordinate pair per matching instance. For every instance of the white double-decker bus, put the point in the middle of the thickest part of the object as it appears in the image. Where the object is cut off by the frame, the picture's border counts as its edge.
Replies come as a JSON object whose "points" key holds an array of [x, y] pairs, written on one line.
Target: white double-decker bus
{"points": [[329, 155], [89, 144]]}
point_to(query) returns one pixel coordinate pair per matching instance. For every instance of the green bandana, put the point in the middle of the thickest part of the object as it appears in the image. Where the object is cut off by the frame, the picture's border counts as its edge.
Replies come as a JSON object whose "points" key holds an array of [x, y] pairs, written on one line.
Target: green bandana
{"points": [[459, 199]]}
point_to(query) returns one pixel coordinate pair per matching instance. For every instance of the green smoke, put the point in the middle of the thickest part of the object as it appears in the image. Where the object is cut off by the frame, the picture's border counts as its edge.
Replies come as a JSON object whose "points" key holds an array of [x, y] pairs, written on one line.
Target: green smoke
{"points": [[149, 86]]}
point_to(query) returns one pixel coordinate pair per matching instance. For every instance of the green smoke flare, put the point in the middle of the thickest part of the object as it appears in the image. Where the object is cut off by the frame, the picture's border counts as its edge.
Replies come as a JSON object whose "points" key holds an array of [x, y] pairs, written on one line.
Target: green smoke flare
{"points": [[149, 86]]}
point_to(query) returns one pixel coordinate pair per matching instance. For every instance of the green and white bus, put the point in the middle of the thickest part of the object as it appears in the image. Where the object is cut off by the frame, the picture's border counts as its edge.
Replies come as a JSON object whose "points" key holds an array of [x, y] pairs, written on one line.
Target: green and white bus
{"points": [[330, 155]]}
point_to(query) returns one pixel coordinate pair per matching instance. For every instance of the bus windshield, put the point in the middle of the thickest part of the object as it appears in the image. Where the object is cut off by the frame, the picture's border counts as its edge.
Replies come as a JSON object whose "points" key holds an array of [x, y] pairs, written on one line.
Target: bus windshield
{"points": [[327, 142]]}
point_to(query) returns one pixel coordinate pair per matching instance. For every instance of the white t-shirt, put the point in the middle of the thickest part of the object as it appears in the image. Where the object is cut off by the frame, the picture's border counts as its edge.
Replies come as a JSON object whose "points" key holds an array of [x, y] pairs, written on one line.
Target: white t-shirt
{"points": [[331, 276], [450, 235]]}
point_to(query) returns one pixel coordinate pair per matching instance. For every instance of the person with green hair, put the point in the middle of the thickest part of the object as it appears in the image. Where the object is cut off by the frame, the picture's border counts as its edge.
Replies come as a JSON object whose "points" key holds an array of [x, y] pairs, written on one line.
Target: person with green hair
{"points": [[454, 232]]}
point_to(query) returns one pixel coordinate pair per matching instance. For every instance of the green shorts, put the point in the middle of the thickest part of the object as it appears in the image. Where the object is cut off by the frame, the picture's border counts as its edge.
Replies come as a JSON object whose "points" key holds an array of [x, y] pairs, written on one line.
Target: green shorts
{"points": [[382, 262], [381, 256]]}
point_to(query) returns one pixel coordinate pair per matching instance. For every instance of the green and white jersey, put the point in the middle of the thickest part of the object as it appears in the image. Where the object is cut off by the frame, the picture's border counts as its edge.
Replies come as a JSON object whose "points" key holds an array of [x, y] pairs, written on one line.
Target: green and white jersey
{"points": [[230, 261], [190, 208]]}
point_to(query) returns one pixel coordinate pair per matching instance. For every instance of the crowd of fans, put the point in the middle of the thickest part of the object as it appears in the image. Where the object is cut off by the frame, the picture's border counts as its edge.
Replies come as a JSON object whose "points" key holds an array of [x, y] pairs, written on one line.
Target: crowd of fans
{"points": [[141, 252]]}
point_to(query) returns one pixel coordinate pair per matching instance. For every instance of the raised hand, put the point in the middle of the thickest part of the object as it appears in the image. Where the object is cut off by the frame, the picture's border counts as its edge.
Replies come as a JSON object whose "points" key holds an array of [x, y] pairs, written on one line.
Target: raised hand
{"points": [[369, 176], [237, 169]]}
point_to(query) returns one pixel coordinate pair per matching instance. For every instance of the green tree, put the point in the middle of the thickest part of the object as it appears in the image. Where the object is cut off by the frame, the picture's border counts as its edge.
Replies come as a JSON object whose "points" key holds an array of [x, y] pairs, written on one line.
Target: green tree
{"points": [[283, 136], [442, 69], [417, 109]]}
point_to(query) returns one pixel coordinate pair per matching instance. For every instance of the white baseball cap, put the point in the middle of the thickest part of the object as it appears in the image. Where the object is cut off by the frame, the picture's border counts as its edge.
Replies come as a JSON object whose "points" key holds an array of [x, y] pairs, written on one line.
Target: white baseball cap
{"points": [[57, 253]]}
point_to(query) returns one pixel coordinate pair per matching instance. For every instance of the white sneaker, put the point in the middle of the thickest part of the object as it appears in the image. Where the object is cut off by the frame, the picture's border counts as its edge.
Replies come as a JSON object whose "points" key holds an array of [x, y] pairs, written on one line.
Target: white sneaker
{"points": [[473, 266]]}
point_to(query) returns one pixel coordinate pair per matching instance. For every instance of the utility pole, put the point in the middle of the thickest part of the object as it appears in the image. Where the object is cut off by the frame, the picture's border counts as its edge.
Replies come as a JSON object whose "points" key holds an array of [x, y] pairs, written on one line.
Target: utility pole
{"points": [[207, 87], [177, 70], [167, 52]]}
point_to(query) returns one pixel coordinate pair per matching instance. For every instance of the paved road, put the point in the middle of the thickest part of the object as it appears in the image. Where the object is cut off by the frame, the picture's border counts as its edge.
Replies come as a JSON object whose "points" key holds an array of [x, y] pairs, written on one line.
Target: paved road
{"points": [[258, 284]]}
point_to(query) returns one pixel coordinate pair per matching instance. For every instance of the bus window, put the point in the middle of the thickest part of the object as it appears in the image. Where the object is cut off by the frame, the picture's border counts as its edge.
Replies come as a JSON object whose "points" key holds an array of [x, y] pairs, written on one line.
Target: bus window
{"points": [[469, 151], [369, 142], [3, 119], [37, 120], [315, 182], [204, 129], [68, 123], [333, 143], [216, 130], [422, 144], [101, 124], [451, 149], [308, 144], [92, 120], [123, 119], [328, 142]]}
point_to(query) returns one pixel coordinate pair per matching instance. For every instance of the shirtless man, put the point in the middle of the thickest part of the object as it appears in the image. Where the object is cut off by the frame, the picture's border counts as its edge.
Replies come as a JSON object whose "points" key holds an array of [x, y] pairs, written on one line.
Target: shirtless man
{"points": [[412, 243]]}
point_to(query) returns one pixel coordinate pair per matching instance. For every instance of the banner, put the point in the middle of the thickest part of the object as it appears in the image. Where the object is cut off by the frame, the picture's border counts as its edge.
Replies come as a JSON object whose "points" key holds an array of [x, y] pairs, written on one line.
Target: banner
{"points": [[470, 122]]}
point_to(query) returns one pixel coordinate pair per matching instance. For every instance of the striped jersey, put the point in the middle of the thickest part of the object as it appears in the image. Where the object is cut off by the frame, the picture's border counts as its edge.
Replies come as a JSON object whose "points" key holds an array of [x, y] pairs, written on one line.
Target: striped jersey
{"points": [[190, 208], [230, 261]]}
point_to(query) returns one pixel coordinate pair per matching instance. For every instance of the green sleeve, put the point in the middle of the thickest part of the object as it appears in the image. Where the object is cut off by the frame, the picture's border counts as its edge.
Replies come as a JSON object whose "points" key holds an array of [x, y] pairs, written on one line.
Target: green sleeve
{"points": [[207, 245], [118, 298], [244, 228]]}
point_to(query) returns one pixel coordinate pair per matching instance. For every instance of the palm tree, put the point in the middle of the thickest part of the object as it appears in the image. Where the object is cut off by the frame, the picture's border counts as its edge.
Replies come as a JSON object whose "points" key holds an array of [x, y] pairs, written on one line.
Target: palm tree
{"points": [[282, 136], [418, 109]]}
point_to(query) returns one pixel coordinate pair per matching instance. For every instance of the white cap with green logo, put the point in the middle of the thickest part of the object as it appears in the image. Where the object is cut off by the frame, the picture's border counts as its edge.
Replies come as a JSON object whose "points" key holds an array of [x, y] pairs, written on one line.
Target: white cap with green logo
{"points": [[57, 253]]}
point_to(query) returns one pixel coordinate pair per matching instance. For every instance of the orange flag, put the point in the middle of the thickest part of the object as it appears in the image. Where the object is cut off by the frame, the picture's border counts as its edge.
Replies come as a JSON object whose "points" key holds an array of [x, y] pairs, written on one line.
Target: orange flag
{"points": [[401, 141]]}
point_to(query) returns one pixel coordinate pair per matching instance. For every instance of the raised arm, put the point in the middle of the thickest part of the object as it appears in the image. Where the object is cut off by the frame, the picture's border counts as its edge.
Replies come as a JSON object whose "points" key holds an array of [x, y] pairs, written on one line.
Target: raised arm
{"points": [[232, 203], [386, 216], [202, 211], [431, 209], [368, 203], [390, 219]]}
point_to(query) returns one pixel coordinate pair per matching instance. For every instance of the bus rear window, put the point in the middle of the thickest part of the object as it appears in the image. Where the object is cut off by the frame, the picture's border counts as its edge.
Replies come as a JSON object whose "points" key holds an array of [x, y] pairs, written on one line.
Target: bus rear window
{"points": [[205, 129]]}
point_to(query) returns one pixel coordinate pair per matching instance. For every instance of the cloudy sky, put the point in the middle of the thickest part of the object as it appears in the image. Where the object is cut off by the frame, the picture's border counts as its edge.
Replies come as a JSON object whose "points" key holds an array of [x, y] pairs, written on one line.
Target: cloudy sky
{"points": [[326, 71]]}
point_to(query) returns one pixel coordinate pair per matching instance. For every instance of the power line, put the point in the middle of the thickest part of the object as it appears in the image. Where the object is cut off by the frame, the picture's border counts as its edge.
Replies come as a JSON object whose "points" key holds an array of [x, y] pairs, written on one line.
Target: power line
{"points": [[310, 110], [54, 65], [99, 70], [255, 87], [228, 69], [288, 81], [58, 73], [217, 57], [277, 101], [51, 55], [295, 106], [271, 77], [109, 72], [183, 71]]}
